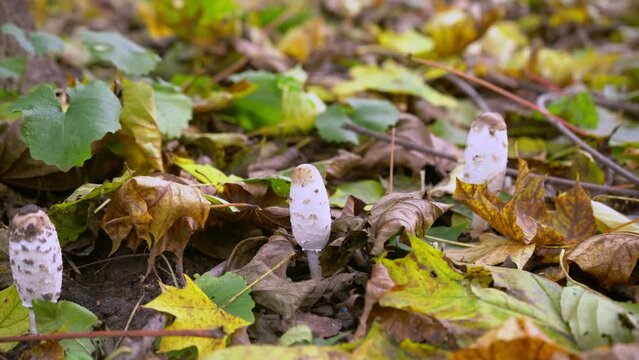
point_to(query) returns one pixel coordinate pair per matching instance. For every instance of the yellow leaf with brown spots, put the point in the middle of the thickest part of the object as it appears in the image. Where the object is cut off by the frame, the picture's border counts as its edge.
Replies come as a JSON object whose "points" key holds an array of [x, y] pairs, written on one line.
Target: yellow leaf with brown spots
{"points": [[610, 258], [193, 309]]}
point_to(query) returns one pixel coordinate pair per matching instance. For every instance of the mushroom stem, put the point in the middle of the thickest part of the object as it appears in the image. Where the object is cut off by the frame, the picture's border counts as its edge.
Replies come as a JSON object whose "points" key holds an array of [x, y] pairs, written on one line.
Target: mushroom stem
{"points": [[314, 263], [33, 330]]}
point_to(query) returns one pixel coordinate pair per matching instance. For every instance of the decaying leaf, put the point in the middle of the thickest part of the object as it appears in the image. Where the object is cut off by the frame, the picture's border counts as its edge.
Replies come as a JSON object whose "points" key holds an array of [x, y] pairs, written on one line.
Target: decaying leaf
{"points": [[379, 283], [270, 210], [193, 309], [409, 212], [610, 258], [493, 250], [514, 339], [159, 212], [524, 218]]}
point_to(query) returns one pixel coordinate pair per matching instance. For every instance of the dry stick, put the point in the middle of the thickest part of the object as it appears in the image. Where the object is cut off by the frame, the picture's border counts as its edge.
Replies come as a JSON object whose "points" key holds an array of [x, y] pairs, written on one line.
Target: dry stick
{"points": [[210, 333], [561, 124], [392, 161], [512, 172], [470, 91]]}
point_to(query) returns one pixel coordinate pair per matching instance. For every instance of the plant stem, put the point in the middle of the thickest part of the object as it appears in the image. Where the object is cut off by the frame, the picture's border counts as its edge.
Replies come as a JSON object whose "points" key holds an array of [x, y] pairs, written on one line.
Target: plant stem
{"points": [[314, 264]]}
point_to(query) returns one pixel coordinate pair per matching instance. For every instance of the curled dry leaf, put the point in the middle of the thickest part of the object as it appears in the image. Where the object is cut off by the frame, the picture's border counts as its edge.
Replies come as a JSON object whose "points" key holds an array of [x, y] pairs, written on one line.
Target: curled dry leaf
{"points": [[380, 283], [524, 218], [610, 258], [515, 339], [162, 213], [270, 211], [493, 250], [397, 211]]}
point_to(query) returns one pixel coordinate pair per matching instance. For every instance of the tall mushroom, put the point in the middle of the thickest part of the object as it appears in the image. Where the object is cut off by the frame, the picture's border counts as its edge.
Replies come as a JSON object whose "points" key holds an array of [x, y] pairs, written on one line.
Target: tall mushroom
{"points": [[485, 157], [310, 214], [36, 258]]}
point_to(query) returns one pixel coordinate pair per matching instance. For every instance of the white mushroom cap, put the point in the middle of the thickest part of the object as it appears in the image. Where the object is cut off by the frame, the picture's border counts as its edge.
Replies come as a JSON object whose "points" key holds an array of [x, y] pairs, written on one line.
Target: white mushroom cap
{"points": [[310, 209], [486, 151]]}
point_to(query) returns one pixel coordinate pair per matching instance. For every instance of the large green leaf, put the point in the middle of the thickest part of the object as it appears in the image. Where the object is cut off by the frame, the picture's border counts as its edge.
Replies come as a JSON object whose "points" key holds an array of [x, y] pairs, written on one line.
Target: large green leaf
{"points": [[126, 55], [329, 125], [14, 318], [65, 316], [368, 191], [40, 43], [174, 111], [72, 216], [374, 114], [19, 36], [224, 288], [579, 110], [12, 67], [64, 138], [426, 284]]}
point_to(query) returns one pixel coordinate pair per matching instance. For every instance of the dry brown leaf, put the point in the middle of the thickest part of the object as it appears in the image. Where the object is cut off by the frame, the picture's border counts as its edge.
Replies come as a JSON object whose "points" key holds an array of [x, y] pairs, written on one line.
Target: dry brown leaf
{"points": [[524, 218], [379, 284], [610, 258], [516, 339], [396, 211], [270, 211], [49, 350], [162, 213], [493, 250]]}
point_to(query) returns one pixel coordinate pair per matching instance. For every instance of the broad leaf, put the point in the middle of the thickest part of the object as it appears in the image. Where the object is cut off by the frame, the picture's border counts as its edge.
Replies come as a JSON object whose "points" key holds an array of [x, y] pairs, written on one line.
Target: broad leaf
{"points": [[397, 212], [173, 110], [64, 138], [579, 110], [44, 43], [373, 114], [65, 316], [329, 125], [206, 174], [493, 250], [193, 309], [126, 55], [224, 288], [71, 218], [368, 191], [12, 67], [19, 36], [14, 318]]}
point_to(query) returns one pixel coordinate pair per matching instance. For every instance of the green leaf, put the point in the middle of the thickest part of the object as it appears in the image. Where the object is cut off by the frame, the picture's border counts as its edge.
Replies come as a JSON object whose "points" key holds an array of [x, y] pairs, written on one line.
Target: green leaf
{"points": [[222, 289], [595, 320], [394, 79], [45, 43], [280, 184], [71, 217], [19, 35], [174, 111], [579, 110], [14, 318], [123, 53], [407, 42], [368, 191], [206, 174], [448, 232], [64, 138], [65, 316], [373, 114], [12, 67], [329, 125], [296, 335]]}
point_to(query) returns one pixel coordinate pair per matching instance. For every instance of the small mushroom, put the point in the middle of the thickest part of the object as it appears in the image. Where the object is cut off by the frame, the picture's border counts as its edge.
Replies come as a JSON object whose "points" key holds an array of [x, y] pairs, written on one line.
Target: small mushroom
{"points": [[36, 258], [310, 214], [485, 157]]}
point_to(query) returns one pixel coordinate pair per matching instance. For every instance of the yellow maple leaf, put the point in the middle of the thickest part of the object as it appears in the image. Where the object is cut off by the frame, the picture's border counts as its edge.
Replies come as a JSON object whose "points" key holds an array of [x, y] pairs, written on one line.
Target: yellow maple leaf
{"points": [[193, 309]]}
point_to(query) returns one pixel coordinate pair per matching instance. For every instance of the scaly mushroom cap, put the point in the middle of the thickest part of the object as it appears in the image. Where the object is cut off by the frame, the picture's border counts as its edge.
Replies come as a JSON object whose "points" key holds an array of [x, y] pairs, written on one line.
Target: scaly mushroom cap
{"points": [[35, 255], [486, 152], [310, 210]]}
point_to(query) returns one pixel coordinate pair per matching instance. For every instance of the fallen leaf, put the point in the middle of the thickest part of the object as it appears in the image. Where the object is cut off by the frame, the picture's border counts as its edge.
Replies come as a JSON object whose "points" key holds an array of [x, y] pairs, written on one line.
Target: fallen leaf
{"points": [[14, 318], [614, 352], [49, 350], [126, 55], [226, 287], [609, 218], [193, 309], [377, 345], [610, 258], [515, 339], [379, 283], [493, 250], [259, 352], [302, 40], [162, 213], [395, 212], [206, 174]]}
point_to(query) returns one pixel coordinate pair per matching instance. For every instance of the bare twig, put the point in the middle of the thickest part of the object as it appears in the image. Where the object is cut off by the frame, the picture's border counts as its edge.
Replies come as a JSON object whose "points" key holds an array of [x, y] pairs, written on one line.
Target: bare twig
{"points": [[470, 91], [511, 172], [210, 333], [392, 161], [562, 125]]}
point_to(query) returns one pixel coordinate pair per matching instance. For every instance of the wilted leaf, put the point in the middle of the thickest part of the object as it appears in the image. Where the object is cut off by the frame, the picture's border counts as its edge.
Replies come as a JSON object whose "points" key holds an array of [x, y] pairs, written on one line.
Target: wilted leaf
{"points": [[493, 250], [397, 212], [174, 110], [296, 335], [514, 339], [140, 136], [65, 316], [368, 191], [206, 174], [378, 345], [93, 111], [407, 42], [126, 55], [71, 217], [596, 320], [161, 213], [259, 352], [611, 258], [49, 350], [270, 210], [611, 218], [451, 30], [224, 288], [464, 309], [193, 309], [378, 284], [14, 318], [524, 218], [391, 78], [302, 40]]}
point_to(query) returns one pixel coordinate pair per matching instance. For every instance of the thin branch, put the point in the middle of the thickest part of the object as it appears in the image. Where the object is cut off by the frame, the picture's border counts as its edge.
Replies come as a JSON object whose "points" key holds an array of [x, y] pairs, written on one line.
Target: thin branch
{"points": [[210, 333], [562, 125], [470, 91], [511, 172]]}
